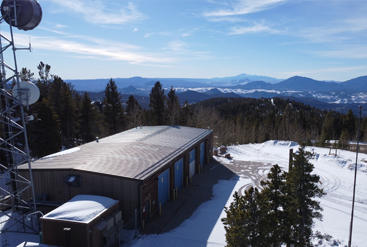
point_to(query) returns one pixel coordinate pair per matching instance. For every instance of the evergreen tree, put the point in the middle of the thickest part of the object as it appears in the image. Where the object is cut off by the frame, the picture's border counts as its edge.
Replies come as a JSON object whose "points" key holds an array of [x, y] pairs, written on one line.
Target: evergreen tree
{"points": [[89, 124], [328, 128], [344, 139], [134, 112], [157, 102], [244, 221], [349, 125], [282, 213], [44, 134], [364, 130], [44, 72], [112, 109], [302, 208], [26, 75], [274, 193], [61, 99], [173, 107], [186, 114], [44, 79]]}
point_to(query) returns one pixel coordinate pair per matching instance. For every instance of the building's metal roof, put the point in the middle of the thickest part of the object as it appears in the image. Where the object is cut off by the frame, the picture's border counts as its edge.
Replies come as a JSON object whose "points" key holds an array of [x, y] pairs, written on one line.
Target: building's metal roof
{"points": [[136, 153]]}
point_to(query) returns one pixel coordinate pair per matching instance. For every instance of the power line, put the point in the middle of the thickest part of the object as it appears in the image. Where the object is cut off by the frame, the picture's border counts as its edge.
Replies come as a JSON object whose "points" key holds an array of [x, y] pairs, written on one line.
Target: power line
{"points": [[355, 179]]}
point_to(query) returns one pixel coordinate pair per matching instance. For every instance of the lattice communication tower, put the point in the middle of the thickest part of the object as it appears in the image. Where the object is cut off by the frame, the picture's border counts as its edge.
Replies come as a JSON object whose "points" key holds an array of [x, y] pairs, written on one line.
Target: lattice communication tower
{"points": [[16, 191]]}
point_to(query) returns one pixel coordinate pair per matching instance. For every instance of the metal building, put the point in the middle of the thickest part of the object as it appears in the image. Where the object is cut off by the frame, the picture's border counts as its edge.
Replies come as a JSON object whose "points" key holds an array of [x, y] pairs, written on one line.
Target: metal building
{"points": [[142, 168]]}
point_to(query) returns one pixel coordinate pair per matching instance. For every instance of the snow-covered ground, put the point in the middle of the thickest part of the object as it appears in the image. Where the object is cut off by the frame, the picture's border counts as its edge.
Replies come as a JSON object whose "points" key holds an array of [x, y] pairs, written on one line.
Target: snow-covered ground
{"points": [[204, 227], [336, 174]]}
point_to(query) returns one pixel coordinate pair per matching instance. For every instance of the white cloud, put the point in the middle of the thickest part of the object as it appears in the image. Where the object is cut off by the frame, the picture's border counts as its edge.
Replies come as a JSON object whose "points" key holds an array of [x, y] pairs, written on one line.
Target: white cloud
{"points": [[340, 30], [96, 11], [177, 46], [148, 35], [96, 48], [229, 19], [184, 35], [326, 72], [135, 29], [60, 26], [257, 28], [188, 33], [183, 52], [243, 7], [345, 52]]}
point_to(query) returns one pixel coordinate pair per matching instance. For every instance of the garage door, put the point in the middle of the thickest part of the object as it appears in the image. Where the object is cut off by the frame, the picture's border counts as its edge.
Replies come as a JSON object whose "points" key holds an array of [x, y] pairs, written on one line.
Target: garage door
{"points": [[164, 187], [192, 163], [179, 174], [202, 154]]}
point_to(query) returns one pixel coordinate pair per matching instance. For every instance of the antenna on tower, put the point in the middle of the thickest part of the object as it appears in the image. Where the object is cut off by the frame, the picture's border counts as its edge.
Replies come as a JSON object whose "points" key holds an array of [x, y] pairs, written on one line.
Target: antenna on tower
{"points": [[16, 190]]}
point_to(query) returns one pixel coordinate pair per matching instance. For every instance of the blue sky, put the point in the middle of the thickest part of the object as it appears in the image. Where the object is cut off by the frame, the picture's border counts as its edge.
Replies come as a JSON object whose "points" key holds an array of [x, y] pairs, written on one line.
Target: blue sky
{"points": [[322, 39]]}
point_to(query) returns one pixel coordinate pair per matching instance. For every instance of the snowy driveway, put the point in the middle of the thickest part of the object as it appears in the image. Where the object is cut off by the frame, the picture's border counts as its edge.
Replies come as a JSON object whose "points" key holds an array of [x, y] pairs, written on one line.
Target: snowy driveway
{"points": [[252, 162]]}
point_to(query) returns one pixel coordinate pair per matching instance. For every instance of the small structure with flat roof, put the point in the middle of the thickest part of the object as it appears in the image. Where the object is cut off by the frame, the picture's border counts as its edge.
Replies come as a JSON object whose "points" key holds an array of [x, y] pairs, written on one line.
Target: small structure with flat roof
{"points": [[85, 220], [142, 168]]}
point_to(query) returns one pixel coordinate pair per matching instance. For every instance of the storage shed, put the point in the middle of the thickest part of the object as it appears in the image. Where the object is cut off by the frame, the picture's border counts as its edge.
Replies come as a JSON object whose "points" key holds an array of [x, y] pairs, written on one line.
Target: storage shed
{"points": [[142, 168], [85, 220]]}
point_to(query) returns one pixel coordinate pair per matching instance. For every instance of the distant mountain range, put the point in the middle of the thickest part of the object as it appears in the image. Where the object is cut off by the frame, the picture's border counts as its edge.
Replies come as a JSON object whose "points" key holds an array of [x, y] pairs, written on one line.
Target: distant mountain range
{"points": [[95, 85], [323, 94]]}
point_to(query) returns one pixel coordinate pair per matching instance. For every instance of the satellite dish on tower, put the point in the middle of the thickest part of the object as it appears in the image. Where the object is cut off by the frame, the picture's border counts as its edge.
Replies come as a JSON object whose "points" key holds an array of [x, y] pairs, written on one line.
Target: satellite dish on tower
{"points": [[28, 13], [26, 92]]}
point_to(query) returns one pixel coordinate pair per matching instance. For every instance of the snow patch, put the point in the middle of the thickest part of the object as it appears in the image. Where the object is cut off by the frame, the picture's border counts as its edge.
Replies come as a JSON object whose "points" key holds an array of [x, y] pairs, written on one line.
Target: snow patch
{"points": [[67, 151]]}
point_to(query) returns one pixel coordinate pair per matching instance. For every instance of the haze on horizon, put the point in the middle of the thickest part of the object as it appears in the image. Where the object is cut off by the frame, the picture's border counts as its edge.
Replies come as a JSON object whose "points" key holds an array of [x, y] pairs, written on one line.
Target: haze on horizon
{"points": [[85, 39]]}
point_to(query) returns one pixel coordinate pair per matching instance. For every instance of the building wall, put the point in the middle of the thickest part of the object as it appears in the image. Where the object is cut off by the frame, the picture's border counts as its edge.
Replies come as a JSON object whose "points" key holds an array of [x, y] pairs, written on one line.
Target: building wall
{"points": [[149, 196], [50, 186]]}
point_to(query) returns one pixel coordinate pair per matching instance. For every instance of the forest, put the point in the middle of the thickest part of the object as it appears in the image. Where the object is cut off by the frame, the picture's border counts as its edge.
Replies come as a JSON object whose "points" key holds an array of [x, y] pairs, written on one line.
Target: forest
{"points": [[64, 117]]}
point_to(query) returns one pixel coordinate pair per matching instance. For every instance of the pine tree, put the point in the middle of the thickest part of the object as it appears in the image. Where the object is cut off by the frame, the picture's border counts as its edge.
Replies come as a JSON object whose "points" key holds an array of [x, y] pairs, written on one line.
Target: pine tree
{"points": [[302, 208], [344, 139], [90, 126], [173, 107], [134, 112], [186, 114], [26, 75], [112, 109], [44, 134], [364, 129], [157, 103], [244, 221], [349, 124], [43, 82], [274, 194], [328, 128], [61, 99], [44, 72]]}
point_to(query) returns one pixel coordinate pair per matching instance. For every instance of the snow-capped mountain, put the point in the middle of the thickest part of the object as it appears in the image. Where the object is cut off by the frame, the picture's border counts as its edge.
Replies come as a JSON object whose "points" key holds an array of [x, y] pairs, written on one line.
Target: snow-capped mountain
{"points": [[339, 96]]}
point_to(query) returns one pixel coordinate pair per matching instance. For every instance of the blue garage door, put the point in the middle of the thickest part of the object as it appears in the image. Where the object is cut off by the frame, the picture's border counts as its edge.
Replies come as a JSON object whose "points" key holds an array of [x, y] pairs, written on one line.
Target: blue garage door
{"points": [[163, 186], [192, 163], [179, 174], [202, 154]]}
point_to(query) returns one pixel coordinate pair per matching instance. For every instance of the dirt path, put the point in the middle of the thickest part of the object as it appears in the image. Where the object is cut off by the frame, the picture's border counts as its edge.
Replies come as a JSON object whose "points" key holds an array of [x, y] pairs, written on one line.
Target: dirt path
{"points": [[256, 171]]}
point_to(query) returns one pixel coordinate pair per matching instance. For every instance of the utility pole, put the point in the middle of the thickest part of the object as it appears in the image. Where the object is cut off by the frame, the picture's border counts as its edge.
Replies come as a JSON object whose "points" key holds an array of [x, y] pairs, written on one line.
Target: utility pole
{"points": [[355, 179]]}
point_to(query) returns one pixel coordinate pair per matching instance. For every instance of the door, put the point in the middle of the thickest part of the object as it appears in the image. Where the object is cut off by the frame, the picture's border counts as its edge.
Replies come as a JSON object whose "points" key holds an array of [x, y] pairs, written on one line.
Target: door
{"points": [[164, 187], [192, 163], [202, 154], [179, 174]]}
